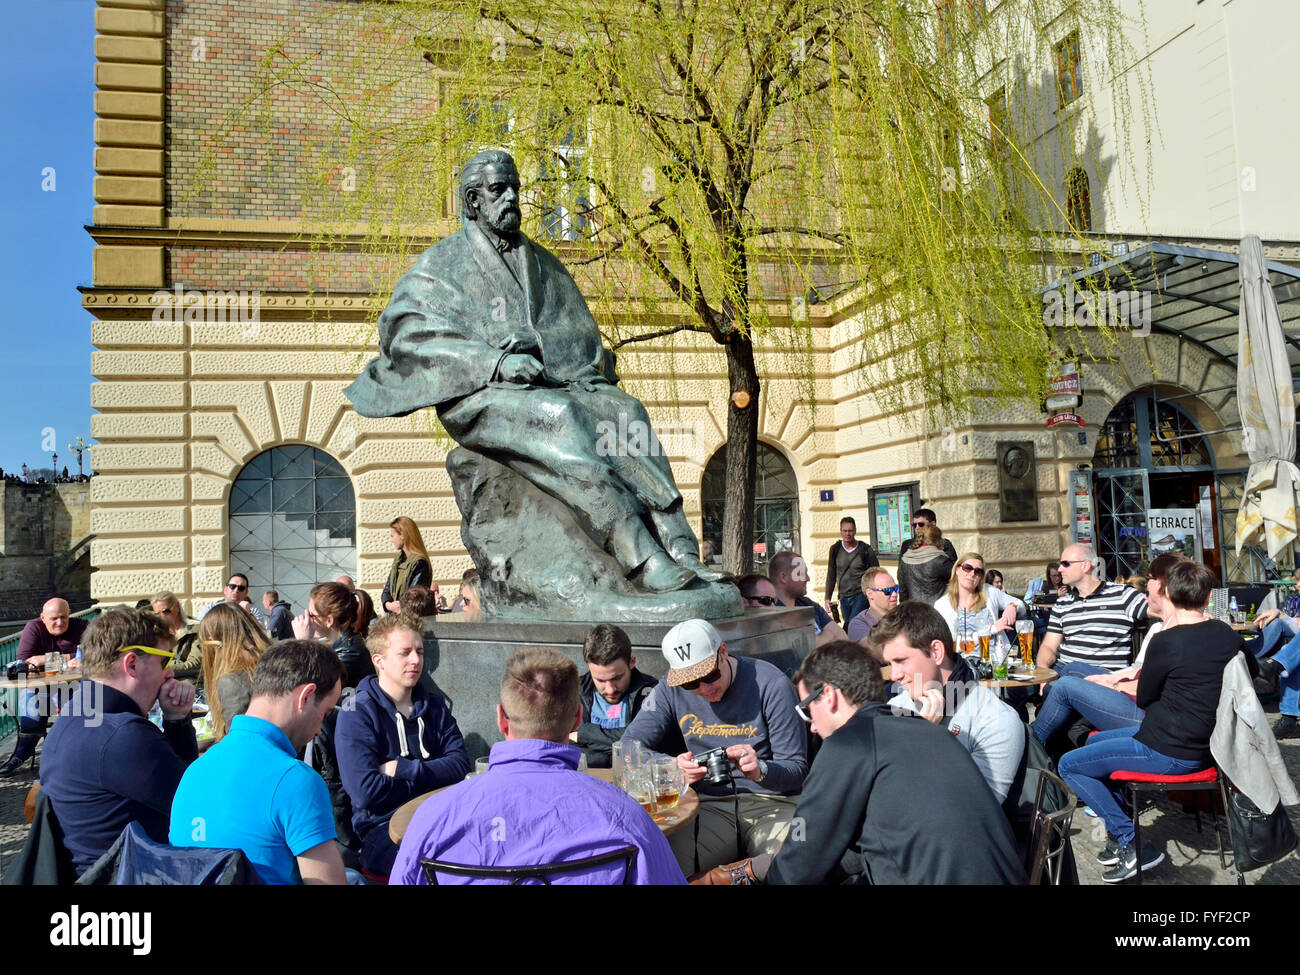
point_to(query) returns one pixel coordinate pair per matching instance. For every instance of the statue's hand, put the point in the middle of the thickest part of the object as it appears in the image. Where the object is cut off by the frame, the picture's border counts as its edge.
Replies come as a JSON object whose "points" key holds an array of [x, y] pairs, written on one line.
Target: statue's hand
{"points": [[520, 369]]}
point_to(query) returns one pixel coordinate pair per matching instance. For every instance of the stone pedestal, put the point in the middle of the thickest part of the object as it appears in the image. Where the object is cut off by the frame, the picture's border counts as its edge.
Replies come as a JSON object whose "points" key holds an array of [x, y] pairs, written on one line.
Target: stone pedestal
{"points": [[465, 661], [537, 561]]}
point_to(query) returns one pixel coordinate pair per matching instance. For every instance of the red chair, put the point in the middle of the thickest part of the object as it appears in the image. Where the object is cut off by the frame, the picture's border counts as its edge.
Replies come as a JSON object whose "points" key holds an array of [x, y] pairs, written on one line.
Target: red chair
{"points": [[1135, 784]]}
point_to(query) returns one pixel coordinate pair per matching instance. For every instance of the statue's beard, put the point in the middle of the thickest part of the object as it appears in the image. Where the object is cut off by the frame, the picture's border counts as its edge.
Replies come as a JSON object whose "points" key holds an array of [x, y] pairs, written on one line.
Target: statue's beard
{"points": [[504, 220]]}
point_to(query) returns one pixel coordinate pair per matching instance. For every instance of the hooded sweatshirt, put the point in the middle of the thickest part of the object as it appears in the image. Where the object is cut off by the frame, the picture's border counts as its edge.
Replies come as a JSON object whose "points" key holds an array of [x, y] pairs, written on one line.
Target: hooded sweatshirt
{"points": [[428, 747]]}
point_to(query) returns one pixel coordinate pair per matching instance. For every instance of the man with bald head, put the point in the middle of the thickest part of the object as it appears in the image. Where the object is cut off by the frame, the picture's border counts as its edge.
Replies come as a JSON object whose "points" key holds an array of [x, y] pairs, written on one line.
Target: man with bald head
{"points": [[53, 630], [1090, 631]]}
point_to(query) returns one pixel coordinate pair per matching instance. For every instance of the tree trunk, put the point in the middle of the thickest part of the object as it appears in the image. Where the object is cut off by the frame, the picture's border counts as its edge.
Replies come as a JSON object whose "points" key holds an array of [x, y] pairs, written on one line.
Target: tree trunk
{"points": [[742, 455]]}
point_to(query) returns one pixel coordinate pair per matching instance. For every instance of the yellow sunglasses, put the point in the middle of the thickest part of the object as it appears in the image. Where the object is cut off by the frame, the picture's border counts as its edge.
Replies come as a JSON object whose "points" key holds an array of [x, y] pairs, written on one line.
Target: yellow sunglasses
{"points": [[154, 652]]}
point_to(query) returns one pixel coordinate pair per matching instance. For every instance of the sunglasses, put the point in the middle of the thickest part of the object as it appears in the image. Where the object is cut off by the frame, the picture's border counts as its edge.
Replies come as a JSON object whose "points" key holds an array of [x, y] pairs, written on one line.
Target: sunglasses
{"points": [[919, 524], [966, 567], [1064, 564], [888, 590], [153, 652], [761, 600], [801, 708], [710, 678], [234, 588]]}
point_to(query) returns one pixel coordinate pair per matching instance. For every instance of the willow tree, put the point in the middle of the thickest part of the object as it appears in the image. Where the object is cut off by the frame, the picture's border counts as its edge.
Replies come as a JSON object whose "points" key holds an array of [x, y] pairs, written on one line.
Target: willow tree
{"points": [[713, 166]]}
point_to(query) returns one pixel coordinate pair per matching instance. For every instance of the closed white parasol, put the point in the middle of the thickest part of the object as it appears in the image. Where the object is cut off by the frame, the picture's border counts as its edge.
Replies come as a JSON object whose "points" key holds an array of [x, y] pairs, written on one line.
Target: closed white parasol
{"points": [[1267, 405]]}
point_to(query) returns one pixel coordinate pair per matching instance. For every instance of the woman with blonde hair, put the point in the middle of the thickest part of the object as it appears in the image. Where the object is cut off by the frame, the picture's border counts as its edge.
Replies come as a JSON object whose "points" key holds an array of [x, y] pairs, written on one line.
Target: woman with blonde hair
{"points": [[970, 605], [189, 656], [232, 643], [410, 567]]}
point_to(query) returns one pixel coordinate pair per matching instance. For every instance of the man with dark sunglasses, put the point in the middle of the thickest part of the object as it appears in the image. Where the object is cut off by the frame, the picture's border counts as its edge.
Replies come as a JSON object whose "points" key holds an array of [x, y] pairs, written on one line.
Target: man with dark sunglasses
{"points": [[882, 595], [236, 592], [757, 591], [920, 518], [1090, 631], [105, 765], [710, 699]]}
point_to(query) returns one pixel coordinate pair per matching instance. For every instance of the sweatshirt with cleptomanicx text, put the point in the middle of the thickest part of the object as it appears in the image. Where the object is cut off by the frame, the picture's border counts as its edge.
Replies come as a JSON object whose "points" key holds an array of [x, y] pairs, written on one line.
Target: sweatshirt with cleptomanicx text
{"points": [[758, 709]]}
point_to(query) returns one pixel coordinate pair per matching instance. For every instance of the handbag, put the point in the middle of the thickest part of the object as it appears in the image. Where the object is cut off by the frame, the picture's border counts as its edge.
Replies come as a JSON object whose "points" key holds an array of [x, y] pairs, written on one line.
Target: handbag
{"points": [[1258, 838]]}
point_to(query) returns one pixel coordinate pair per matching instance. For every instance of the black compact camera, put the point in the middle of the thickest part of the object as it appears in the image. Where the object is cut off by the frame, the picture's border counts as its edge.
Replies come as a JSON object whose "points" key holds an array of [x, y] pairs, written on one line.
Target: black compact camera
{"points": [[718, 765], [16, 670]]}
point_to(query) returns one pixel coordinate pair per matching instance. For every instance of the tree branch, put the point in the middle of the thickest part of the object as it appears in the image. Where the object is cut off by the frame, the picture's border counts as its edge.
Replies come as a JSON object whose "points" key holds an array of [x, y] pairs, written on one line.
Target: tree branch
{"points": [[792, 229], [660, 333]]}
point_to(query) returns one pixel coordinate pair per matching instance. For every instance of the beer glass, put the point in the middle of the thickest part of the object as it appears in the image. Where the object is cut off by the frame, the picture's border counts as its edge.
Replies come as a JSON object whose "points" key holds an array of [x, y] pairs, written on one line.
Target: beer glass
{"points": [[628, 753], [985, 635], [669, 783], [966, 641], [638, 782], [1025, 634]]}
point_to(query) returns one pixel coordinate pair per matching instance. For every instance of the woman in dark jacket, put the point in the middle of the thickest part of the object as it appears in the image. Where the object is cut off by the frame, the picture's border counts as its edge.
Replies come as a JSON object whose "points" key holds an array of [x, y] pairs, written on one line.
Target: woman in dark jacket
{"points": [[332, 618], [410, 567], [925, 568]]}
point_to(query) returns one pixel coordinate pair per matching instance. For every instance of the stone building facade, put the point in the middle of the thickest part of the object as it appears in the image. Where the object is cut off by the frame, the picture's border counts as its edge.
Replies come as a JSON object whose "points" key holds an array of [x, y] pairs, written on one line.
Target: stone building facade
{"points": [[195, 386], [44, 546]]}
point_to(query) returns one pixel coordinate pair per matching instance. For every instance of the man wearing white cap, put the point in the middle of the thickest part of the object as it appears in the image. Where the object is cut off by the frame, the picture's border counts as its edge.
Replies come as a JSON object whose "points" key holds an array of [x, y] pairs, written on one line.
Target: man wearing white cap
{"points": [[710, 699]]}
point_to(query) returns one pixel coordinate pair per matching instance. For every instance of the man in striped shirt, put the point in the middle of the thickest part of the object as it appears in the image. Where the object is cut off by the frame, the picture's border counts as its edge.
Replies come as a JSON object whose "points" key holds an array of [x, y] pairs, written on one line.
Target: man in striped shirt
{"points": [[1091, 630]]}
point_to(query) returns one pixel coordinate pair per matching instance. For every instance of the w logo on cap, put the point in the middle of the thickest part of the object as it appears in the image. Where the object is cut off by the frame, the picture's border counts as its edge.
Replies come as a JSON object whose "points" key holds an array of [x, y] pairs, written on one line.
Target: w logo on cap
{"points": [[683, 652]]}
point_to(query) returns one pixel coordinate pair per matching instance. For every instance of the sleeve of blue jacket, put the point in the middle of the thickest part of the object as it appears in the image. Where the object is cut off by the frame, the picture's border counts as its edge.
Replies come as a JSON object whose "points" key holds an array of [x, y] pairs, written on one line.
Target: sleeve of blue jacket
{"points": [[362, 748]]}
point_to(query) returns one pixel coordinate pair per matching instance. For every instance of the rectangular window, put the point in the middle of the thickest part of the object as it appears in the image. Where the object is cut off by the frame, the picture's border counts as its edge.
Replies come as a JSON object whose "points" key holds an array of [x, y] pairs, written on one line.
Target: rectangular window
{"points": [[1069, 73], [565, 195], [997, 108]]}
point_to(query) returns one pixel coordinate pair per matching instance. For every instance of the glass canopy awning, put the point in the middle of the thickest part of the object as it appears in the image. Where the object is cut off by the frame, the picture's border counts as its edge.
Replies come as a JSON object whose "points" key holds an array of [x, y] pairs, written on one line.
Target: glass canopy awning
{"points": [[1196, 294]]}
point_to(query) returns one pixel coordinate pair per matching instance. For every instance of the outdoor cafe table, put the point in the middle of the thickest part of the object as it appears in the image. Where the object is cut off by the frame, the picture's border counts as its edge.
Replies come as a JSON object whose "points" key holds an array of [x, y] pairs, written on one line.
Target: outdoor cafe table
{"points": [[44, 680], [688, 808], [1042, 675]]}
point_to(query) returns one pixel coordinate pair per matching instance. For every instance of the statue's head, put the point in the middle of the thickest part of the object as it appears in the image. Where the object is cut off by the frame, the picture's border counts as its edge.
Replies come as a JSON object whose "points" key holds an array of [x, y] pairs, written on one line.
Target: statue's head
{"points": [[489, 185]]}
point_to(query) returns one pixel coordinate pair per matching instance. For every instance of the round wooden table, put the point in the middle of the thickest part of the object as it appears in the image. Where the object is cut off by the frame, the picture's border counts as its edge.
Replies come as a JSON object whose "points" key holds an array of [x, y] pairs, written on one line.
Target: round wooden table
{"points": [[1041, 675], [688, 807]]}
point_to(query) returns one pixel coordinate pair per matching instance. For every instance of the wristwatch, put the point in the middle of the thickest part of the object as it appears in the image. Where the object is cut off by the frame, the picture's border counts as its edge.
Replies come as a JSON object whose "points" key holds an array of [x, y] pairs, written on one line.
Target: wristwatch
{"points": [[762, 770]]}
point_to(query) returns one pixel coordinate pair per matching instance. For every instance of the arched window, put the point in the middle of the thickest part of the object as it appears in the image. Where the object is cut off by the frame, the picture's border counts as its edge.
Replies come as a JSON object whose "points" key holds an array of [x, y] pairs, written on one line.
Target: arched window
{"points": [[293, 522], [1133, 436], [776, 504], [1078, 200]]}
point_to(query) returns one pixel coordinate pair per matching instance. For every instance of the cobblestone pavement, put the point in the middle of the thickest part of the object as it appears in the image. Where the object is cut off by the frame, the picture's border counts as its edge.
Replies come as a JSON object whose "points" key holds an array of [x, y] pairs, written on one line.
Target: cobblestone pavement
{"points": [[1191, 858]]}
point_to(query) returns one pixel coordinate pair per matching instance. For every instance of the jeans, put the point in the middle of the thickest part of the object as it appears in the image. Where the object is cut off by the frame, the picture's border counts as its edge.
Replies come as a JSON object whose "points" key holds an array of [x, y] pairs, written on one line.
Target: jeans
{"points": [[1074, 668], [1071, 669], [1086, 770], [851, 606], [1289, 658], [1275, 635], [1103, 707], [34, 711]]}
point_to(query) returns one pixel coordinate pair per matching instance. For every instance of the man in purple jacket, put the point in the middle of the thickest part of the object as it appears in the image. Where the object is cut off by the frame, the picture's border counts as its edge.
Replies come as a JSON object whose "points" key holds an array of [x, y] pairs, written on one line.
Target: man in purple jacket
{"points": [[533, 806]]}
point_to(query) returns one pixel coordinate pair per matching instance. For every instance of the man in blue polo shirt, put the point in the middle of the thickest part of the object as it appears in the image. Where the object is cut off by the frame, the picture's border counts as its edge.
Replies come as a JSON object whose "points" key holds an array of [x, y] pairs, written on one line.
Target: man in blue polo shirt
{"points": [[250, 792]]}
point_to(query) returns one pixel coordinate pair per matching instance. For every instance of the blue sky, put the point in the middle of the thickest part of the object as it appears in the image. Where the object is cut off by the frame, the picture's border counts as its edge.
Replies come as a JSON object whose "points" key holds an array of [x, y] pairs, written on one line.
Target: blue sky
{"points": [[47, 70]]}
